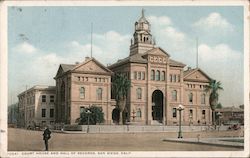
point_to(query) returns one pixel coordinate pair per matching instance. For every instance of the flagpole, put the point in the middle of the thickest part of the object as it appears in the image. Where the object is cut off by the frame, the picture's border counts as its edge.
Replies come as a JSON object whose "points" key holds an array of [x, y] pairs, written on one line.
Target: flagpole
{"points": [[91, 39]]}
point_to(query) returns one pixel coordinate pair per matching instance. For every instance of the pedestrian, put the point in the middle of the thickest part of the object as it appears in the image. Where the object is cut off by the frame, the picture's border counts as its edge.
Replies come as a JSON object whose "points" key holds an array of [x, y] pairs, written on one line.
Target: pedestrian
{"points": [[46, 137]]}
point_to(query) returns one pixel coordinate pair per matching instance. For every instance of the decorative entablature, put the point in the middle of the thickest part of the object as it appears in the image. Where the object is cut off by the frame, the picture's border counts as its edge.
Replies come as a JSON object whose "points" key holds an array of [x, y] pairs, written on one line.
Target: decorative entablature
{"points": [[157, 56]]}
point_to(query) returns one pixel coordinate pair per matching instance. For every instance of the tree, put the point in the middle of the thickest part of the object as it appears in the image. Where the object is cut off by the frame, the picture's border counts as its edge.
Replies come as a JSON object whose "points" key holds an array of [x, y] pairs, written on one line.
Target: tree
{"points": [[241, 106], [96, 116], [219, 106], [213, 89], [120, 88]]}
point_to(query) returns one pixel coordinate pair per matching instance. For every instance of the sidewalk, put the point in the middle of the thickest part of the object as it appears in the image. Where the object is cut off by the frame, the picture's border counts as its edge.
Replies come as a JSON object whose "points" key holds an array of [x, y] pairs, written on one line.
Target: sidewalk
{"points": [[222, 141]]}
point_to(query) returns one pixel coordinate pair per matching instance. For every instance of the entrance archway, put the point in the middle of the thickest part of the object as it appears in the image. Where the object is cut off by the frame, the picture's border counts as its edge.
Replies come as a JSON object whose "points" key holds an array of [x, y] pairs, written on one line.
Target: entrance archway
{"points": [[157, 106]]}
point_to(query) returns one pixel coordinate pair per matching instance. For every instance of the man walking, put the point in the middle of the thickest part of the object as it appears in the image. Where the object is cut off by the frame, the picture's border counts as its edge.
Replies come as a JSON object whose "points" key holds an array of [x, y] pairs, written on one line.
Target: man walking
{"points": [[46, 137]]}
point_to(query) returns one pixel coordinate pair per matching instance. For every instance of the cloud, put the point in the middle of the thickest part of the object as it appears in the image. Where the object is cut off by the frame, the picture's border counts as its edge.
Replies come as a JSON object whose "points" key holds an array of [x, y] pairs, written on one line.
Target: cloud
{"points": [[25, 48], [213, 21]]}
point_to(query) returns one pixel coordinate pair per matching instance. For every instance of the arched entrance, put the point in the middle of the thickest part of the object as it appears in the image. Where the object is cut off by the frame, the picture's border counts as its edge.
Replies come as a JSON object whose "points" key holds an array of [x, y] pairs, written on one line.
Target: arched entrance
{"points": [[157, 106]]}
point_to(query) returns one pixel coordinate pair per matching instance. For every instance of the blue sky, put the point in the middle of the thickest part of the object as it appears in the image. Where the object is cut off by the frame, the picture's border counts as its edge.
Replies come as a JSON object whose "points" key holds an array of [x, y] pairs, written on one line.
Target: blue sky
{"points": [[40, 38]]}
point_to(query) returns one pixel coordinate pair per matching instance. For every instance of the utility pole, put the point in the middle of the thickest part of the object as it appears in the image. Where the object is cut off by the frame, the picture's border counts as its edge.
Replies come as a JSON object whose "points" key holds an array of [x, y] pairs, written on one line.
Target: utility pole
{"points": [[91, 40], [197, 53]]}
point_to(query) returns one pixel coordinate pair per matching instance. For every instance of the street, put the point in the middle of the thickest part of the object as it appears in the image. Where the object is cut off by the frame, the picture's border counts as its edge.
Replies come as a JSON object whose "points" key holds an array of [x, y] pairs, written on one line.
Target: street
{"points": [[27, 140]]}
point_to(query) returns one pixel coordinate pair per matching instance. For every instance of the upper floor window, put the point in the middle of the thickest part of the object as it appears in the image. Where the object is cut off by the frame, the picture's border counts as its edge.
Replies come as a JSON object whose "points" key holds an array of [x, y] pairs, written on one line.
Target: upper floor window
{"points": [[135, 75], [163, 75], [179, 78], [143, 76], [43, 112], [99, 93], [139, 75], [157, 76], [139, 93], [190, 97], [174, 95], [82, 92], [43, 98], [52, 98], [152, 74], [174, 78], [203, 99], [171, 78]]}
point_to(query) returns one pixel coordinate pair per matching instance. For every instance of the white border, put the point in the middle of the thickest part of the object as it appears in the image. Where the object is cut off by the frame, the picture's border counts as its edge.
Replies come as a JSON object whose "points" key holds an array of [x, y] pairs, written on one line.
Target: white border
{"points": [[4, 64]]}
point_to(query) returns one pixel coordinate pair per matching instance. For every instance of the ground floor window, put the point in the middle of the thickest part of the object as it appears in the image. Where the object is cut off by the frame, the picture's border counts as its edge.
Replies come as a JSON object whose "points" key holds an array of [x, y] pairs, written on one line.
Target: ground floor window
{"points": [[138, 113], [174, 112], [203, 114]]}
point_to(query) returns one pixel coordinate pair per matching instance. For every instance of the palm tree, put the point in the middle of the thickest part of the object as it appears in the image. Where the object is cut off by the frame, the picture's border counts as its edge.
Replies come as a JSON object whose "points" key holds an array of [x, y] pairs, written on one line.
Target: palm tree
{"points": [[213, 89], [120, 88]]}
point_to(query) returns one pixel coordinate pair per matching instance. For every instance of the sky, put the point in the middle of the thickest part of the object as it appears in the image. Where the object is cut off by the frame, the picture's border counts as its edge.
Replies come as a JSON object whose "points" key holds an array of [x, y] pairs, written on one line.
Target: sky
{"points": [[40, 38]]}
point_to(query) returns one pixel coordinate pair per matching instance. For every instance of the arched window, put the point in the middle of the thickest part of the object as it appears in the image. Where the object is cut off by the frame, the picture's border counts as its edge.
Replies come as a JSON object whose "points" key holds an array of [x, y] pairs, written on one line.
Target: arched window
{"points": [[63, 91], [138, 113], [99, 94], [152, 74], [174, 95], [82, 92], [203, 99], [157, 76], [139, 93], [190, 97], [163, 76]]}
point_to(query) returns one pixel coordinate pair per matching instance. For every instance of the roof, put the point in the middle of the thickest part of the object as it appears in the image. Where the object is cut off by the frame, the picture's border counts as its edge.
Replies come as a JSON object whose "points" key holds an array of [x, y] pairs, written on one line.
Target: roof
{"points": [[38, 87], [176, 63], [67, 67], [190, 71], [230, 109]]}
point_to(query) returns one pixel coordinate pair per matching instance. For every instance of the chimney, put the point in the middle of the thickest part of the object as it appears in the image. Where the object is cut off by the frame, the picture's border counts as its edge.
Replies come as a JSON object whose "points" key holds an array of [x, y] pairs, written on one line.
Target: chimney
{"points": [[76, 62]]}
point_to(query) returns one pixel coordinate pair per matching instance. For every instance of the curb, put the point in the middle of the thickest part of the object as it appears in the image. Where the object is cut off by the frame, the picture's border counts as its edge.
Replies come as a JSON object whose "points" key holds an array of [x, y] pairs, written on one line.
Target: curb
{"points": [[204, 143]]}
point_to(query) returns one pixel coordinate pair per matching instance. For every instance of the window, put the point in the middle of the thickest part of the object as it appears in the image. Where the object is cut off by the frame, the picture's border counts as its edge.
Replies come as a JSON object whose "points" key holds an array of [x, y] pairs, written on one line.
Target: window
{"points": [[203, 99], [203, 114], [99, 94], [51, 122], [52, 100], [174, 78], [43, 98], [135, 75], [152, 74], [82, 92], [43, 112], [143, 76], [174, 112], [190, 97], [190, 113], [171, 78], [157, 76], [179, 78], [139, 75], [139, 93], [163, 76], [51, 113], [138, 113], [174, 95]]}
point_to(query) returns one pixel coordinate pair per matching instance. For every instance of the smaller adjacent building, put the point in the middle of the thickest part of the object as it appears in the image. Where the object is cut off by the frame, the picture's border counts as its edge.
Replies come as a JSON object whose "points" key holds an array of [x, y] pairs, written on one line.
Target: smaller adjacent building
{"points": [[231, 115], [36, 106]]}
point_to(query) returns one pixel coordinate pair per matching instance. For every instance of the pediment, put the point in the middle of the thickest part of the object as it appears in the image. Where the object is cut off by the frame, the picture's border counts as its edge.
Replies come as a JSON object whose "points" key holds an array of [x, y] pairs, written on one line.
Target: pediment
{"points": [[157, 52], [59, 71], [91, 66], [197, 75]]}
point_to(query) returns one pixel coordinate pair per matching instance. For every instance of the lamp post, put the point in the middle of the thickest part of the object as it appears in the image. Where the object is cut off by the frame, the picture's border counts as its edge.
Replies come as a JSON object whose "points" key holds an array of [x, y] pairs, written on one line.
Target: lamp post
{"points": [[88, 113], [219, 116], [180, 108]]}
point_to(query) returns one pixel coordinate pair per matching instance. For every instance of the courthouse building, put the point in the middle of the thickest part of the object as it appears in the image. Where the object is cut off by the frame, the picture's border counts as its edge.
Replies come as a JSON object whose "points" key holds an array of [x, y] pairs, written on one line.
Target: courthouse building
{"points": [[158, 85]]}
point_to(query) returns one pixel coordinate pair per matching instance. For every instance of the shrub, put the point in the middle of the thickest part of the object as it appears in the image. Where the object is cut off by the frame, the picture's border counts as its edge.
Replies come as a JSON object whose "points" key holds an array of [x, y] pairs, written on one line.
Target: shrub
{"points": [[96, 116]]}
